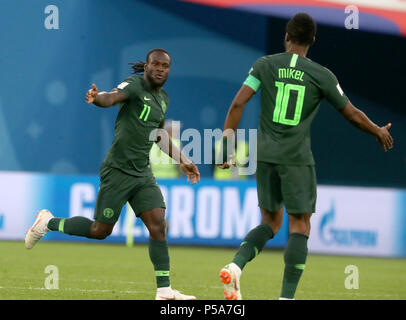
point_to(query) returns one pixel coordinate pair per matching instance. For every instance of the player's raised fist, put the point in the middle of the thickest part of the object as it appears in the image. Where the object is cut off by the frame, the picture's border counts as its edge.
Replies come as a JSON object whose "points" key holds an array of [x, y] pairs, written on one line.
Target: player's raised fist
{"points": [[91, 94]]}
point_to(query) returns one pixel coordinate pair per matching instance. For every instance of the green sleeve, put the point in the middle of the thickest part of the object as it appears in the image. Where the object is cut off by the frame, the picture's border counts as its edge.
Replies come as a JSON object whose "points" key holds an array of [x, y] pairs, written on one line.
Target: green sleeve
{"points": [[333, 92], [129, 87]]}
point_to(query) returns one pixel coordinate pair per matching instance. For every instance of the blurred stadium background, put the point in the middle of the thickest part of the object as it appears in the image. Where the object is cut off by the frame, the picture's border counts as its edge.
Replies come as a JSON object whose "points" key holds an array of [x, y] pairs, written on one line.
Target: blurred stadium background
{"points": [[52, 143]]}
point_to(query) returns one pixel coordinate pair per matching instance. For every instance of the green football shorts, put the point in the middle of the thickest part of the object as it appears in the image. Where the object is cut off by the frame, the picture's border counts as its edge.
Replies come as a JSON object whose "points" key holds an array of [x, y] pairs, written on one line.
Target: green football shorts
{"points": [[117, 187], [294, 187]]}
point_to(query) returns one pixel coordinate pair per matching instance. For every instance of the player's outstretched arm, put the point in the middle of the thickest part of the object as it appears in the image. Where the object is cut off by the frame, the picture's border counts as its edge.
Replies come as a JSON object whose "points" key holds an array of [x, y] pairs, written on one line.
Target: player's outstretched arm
{"points": [[360, 120], [104, 99], [237, 107], [165, 143], [235, 113]]}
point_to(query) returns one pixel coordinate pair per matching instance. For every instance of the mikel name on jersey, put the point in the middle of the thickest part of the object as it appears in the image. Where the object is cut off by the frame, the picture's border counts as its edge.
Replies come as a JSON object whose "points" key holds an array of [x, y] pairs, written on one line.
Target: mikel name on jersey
{"points": [[289, 73]]}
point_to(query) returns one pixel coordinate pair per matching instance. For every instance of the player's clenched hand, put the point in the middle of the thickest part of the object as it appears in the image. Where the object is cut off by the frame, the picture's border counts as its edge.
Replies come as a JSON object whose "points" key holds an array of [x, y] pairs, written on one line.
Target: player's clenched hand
{"points": [[91, 94], [192, 172], [225, 165], [384, 137]]}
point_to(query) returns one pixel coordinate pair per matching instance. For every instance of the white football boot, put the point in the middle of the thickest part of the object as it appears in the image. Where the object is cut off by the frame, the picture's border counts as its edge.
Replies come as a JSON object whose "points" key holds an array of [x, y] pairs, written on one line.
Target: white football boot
{"points": [[38, 229], [230, 276], [168, 293]]}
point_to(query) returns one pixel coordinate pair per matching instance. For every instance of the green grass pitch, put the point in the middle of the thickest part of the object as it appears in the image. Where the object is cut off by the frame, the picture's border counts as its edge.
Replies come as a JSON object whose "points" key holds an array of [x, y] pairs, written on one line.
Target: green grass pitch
{"points": [[95, 271]]}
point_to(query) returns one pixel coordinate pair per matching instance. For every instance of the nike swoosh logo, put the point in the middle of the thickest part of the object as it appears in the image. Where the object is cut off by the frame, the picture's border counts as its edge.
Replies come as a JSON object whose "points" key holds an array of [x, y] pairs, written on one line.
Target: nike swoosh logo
{"points": [[146, 99]]}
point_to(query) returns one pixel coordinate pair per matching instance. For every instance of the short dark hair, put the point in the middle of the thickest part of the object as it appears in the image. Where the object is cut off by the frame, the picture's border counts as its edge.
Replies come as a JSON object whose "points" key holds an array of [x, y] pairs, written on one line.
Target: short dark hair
{"points": [[138, 67], [302, 29]]}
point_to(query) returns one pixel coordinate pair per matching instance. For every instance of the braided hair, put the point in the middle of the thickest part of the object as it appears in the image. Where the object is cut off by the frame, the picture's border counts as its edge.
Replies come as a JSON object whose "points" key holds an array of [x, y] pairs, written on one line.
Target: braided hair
{"points": [[138, 67]]}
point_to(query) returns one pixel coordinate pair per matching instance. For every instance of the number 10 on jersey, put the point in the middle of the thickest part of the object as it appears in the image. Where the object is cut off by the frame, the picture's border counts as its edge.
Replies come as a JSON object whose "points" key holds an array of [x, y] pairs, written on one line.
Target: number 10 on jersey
{"points": [[282, 101]]}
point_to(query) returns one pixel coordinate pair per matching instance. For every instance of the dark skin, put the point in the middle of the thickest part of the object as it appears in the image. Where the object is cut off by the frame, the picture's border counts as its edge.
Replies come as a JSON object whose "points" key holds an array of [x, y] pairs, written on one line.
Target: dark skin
{"points": [[300, 223], [156, 72]]}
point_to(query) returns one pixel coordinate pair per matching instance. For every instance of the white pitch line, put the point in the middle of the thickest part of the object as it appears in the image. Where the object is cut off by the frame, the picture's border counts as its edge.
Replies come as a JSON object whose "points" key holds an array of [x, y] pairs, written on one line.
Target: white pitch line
{"points": [[148, 292], [356, 294], [84, 280], [80, 290]]}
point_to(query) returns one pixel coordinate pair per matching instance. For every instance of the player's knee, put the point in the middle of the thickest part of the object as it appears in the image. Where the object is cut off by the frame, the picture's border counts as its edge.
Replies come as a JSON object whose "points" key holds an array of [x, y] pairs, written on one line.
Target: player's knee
{"points": [[300, 227], [273, 219], [99, 233], [275, 225], [157, 231]]}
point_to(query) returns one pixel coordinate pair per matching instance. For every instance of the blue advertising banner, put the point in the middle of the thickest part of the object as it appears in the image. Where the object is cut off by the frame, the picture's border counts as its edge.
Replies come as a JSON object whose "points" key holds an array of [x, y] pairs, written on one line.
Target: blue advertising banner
{"points": [[348, 220], [209, 213]]}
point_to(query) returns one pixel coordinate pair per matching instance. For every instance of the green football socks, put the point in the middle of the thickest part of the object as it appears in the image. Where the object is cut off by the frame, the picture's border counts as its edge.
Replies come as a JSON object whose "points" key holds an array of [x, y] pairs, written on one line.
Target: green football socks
{"points": [[253, 244], [75, 226], [295, 260], [159, 255]]}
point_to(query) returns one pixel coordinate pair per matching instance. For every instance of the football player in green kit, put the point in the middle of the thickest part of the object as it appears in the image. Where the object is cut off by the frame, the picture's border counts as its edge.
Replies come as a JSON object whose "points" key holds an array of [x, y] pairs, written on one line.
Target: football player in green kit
{"points": [[125, 174], [292, 87]]}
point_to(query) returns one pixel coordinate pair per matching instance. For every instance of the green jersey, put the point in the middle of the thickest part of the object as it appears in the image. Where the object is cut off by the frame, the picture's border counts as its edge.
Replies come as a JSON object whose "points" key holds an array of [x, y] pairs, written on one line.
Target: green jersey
{"points": [[292, 88], [137, 117]]}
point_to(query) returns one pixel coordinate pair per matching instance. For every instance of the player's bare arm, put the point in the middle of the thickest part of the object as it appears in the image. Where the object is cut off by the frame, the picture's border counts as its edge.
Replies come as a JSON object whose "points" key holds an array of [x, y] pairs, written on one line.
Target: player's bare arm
{"points": [[165, 143], [235, 113], [104, 99], [360, 120], [237, 107]]}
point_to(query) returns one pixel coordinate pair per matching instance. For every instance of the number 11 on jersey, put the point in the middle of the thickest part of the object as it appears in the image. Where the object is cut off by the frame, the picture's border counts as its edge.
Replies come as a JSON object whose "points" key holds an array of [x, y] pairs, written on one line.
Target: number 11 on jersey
{"points": [[146, 109], [282, 101]]}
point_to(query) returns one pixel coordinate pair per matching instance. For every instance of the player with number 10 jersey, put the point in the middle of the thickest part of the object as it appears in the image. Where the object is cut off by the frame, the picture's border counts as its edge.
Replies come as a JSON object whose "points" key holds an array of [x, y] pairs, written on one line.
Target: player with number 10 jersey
{"points": [[292, 88]]}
